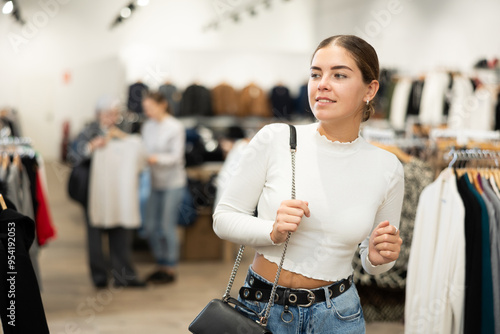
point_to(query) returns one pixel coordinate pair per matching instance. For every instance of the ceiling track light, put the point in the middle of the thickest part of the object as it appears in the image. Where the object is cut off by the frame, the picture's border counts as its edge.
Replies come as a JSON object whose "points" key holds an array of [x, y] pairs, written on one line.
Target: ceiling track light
{"points": [[10, 7], [128, 10], [235, 13]]}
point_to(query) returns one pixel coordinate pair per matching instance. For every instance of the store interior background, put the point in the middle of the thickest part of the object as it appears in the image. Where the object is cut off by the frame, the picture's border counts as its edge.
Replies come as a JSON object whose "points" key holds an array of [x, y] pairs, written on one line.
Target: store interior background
{"points": [[54, 68], [166, 40]]}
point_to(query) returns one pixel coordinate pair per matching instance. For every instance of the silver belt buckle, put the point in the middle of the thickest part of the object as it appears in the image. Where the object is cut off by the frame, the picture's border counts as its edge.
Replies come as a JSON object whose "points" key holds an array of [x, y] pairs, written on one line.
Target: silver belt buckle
{"points": [[310, 296]]}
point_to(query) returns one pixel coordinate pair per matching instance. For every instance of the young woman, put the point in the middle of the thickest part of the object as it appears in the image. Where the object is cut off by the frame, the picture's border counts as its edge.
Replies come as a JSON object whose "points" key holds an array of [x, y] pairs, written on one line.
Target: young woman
{"points": [[349, 194], [164, 139]]}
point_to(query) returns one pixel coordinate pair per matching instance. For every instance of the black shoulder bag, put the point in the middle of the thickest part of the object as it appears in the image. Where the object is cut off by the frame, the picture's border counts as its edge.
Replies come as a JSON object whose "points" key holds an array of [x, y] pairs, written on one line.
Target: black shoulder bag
{"points": [[219, 316]]}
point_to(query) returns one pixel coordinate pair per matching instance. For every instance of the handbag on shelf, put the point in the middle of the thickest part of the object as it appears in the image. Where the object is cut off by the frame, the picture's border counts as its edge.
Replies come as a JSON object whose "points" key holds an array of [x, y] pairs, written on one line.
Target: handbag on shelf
{"points": [[219, 317]]}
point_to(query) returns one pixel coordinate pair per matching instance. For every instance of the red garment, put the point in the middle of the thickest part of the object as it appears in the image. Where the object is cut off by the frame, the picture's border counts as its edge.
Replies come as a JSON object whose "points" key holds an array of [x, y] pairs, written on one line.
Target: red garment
{"points": [[44, 227]]}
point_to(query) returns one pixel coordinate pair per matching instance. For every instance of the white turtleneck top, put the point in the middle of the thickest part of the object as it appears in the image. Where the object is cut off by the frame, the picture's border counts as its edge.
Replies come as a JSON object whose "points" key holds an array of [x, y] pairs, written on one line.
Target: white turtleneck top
{"points": [[350, 188]]}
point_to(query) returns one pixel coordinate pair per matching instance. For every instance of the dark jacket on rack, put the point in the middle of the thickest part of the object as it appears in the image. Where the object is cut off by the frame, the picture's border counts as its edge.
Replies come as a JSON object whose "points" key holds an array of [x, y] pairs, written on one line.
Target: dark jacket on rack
{"points": [[254, 102], [473, 258], [281, 102], [20, 300], [225, 100], [196, 101], [173, 96], [135, 95], [302, 106], [415, 97]]}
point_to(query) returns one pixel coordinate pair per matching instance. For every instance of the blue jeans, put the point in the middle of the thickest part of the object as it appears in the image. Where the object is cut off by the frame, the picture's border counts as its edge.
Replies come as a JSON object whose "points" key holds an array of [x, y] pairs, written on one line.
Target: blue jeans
{"points": [[144, 192], [162, 214], [342, 314]]}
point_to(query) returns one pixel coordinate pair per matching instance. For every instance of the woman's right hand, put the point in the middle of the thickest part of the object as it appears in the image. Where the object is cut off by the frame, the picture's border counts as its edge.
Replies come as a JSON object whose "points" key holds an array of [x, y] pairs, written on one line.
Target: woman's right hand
{"points": [[288, 218]]}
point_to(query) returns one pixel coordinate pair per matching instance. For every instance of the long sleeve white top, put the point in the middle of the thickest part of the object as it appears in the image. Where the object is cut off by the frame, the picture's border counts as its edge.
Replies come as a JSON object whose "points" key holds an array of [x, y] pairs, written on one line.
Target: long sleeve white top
{"points": [[167, 140], [350, 188]]}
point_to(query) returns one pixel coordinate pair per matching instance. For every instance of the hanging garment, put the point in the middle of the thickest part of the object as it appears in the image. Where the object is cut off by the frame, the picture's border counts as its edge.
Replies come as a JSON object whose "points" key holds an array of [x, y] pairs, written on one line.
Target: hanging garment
{"points": [[224, 100], [461, 97], [18, 190], [482, 110], [136, 93], [173, 96], [415, 98], [45, 229], [196, 101], [399, 104], [254, 102], [473, 258], [497, 113], [385, 91], [114, 184], [494, 247], [435, 283], [487, 320], [302, 106], [21, 308], [281, 102], [433, 98]]}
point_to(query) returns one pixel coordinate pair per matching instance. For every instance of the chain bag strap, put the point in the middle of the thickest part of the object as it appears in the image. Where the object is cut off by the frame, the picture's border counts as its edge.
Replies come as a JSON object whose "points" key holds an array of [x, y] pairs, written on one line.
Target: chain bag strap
{"points": [[225, 298]]}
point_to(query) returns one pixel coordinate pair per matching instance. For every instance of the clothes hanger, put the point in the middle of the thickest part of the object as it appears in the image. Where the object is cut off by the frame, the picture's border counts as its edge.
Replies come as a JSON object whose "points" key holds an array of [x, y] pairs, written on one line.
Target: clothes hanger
{"points": [[5, 161], [402, 156], [2, 203], [16, 161]]}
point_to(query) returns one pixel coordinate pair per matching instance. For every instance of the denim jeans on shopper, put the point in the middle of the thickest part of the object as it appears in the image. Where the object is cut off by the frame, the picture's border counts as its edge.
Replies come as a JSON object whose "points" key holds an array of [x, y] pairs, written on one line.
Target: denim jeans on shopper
{"points": [[162, 216], [342, 314]]}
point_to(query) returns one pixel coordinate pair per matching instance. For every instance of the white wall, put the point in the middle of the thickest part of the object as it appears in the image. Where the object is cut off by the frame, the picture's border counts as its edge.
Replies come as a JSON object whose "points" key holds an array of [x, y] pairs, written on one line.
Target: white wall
{"points": [[162, 41], [418, 36]]}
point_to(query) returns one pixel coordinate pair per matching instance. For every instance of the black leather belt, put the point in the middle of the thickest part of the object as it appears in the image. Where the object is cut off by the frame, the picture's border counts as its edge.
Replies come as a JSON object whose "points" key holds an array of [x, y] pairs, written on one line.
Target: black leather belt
{"points": [[261, 291]]}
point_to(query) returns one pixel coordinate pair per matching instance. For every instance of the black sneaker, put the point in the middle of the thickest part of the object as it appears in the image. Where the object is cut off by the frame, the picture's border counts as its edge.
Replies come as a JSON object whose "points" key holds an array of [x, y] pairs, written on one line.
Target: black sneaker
{"points": [[101, 285], [161, 277]]}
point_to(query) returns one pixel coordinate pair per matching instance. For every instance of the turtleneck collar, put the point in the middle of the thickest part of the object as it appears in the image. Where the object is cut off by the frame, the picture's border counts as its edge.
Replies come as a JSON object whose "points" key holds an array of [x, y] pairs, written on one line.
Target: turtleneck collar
{"points": [[337, 146]]}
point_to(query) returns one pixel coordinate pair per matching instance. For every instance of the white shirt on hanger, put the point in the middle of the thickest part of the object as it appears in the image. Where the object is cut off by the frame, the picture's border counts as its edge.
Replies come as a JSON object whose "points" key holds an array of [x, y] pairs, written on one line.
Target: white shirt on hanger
{"points": [[114, 183], [435, 285], [399, 103]]}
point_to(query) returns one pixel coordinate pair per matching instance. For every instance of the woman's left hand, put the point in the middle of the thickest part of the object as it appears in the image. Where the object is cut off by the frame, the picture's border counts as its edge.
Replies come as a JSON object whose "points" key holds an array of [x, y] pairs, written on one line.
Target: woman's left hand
{"points": [[385, 244]]}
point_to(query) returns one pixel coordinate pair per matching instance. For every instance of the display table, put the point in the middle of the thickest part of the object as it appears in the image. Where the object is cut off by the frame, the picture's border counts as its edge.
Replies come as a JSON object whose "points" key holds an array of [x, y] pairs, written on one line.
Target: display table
{"points": [[199, 242]]}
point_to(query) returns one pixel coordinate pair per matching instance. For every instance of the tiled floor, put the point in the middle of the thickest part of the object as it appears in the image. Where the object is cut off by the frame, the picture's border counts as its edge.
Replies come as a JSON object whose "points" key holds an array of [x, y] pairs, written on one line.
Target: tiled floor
{"points": [[73, 306]]}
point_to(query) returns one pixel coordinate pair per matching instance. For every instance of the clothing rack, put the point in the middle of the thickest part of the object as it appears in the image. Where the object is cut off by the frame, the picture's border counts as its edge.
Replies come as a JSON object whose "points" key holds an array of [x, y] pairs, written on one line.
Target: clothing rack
{"points": [[20, 146], [473, 154], [15, 141], [390, 137], [464, 136]]}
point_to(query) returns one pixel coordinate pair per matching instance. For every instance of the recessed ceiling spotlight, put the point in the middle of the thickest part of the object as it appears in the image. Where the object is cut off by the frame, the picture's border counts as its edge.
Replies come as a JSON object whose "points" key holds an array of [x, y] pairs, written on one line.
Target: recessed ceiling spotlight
{"points": [[125, 12], [8, 7]]}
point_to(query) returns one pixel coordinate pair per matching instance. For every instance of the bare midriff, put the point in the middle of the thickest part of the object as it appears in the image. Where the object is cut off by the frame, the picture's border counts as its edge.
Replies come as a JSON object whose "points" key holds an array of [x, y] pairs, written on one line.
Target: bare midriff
{"points": [[289, 279]]}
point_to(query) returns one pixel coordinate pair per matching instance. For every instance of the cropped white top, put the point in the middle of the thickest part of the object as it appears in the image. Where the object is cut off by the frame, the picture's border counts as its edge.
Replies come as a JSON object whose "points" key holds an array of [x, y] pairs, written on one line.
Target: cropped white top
{"points": [[350, 188]]}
